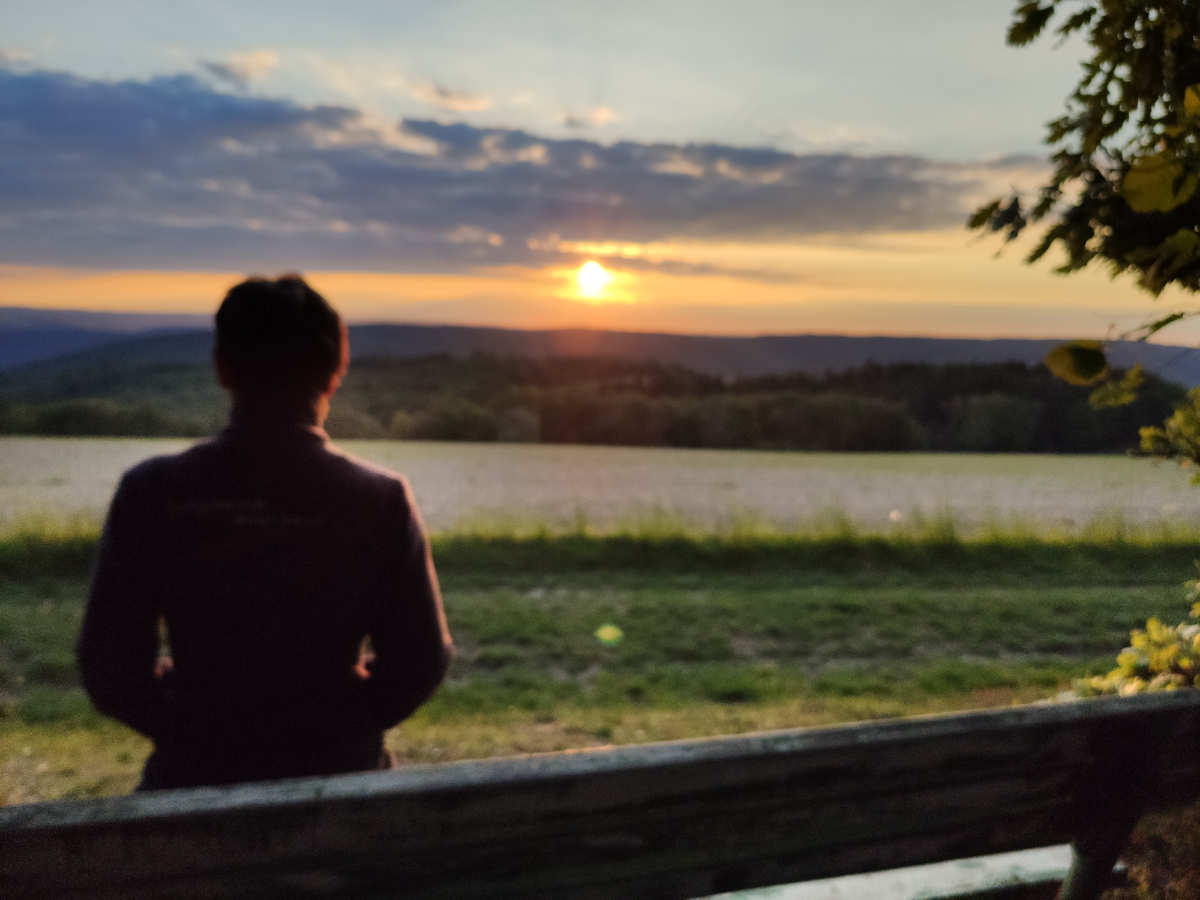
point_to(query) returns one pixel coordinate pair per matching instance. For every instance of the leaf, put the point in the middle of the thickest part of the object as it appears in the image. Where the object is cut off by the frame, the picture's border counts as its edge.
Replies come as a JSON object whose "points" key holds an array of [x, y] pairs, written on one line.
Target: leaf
{"points": [[983, 215], [1118, 393], [1077, 21], [1191, 101], [1157, 183], [1031, 18], [1078, 362], [1163, 263]]}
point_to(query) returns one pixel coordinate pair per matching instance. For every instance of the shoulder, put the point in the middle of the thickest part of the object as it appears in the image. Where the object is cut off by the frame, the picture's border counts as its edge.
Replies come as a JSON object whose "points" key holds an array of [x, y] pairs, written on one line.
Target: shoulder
{"points": [[156, 469], [371, 481], [149, 472], [156, 480]]}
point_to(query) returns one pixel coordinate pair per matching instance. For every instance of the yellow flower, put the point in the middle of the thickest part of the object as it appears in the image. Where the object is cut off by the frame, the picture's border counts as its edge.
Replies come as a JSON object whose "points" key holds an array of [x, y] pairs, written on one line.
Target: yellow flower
{"points": [[1131, 687]]}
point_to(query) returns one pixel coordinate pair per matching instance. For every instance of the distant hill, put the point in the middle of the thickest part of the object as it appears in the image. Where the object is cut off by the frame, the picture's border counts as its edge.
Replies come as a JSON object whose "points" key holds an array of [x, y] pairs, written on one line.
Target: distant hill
{"points": [[67, 341], [73, 341], [18, 317], [812, 353], [19, 346], [28, 335]]}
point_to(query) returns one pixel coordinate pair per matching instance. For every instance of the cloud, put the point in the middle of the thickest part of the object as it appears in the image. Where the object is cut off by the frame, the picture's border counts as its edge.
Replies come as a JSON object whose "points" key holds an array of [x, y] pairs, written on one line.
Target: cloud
{"points": [[843, 137], [242, 69], [14, 57], [597, 116], [435, 94], [469, 234], [174, 172]]}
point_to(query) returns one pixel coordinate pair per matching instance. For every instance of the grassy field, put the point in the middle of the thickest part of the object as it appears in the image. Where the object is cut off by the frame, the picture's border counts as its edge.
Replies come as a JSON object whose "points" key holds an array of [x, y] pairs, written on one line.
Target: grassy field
{"points": [[720, 634], [525, 487]]}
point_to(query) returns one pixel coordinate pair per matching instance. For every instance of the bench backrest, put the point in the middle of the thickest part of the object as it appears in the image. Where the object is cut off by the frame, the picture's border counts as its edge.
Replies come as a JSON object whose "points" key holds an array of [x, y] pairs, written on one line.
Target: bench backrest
{"points": [[677, 819]]}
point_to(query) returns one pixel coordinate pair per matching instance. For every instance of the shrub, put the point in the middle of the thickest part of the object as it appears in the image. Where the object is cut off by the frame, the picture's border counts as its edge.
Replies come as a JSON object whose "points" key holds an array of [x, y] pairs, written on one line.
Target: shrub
{"points": [[1158, 658]]}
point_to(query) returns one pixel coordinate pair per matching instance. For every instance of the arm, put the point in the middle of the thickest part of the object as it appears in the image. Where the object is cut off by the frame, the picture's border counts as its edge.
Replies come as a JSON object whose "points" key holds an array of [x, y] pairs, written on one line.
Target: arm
{"points": [[412, 642], [118, 645]]}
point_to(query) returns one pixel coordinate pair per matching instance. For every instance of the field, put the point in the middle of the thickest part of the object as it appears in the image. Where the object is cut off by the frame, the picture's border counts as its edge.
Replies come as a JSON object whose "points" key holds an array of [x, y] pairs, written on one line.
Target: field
{"points": [[528, 487], [768, 610]]}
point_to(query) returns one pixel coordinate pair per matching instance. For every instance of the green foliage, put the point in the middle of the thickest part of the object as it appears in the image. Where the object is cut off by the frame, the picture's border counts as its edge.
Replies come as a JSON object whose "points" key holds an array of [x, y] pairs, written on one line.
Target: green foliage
{"points": [[1119, 391], [452, 418], [347, 419], [519, 424], [100, 416], [48, 705], [32, 552], [1179, 436], [1158, 658], [995, 423], [1126, 151], [906, 406]]}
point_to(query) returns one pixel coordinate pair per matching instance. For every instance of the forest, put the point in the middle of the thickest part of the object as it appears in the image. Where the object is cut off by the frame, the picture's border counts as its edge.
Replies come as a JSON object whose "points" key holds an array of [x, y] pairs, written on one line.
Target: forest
{"points": [[1004, 407]]}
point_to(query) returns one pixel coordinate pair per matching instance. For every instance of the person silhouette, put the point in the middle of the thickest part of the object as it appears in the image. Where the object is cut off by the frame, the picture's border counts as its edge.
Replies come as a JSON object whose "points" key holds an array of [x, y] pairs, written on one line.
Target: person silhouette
{"points": [[292, 583]]}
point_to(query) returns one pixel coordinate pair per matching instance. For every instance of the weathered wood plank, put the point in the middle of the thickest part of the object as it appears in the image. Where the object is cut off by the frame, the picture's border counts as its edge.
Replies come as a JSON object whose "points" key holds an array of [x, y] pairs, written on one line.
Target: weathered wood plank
{"points": [[672, 820]]}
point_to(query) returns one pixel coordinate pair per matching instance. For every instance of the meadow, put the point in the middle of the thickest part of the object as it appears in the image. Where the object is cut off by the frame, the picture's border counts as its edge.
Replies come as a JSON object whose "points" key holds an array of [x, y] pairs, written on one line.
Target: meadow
{"points": [[736, 606], [526, 488]]}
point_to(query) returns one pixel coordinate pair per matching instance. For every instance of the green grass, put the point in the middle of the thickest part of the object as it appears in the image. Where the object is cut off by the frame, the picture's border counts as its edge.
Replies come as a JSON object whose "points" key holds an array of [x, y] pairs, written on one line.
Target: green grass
{"points": [[721, 633]]}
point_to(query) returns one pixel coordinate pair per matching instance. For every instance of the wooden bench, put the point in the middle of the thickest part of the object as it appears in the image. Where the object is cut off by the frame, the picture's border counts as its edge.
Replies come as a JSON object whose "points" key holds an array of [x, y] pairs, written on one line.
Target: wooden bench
{"points": [[678, 819]]}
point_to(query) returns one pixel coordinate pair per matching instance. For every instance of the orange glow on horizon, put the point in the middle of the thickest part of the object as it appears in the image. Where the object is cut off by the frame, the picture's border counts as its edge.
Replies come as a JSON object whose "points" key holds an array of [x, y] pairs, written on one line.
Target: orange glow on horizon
{"points": [[935, 283]]}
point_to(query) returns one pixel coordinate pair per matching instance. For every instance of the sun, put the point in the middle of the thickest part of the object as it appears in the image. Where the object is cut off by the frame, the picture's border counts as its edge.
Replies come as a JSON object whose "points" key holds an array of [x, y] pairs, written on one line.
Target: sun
{"points": [[592, 279]]}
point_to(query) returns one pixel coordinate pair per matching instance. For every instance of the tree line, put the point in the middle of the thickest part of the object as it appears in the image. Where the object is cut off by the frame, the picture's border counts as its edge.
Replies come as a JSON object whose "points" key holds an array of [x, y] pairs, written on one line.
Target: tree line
{"points": [[1007, 407]]}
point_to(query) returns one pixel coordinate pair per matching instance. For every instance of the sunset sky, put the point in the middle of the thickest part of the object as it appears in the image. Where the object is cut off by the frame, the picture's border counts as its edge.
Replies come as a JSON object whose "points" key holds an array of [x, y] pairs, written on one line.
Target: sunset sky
{"points": [[734, 167]]}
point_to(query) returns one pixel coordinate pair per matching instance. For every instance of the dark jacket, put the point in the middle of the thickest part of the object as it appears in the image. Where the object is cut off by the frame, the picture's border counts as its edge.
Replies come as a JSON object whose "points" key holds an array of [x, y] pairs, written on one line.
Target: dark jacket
{"points": [[269, 556]]}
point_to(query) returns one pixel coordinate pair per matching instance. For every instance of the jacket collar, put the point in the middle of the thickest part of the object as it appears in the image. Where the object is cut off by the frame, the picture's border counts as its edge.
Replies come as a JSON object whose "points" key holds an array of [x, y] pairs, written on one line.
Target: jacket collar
{"points": [[273, 425]]}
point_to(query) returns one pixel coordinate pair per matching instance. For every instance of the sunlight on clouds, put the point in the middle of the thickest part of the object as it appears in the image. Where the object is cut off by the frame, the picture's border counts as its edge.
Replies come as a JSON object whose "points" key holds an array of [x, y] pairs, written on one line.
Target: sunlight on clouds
{"points": [[601, 115], [678, 164], [434, 94], [15, 56], [841, 136], [495, 152], [242, 69], [254, 64], [831, 278], [597, 116], [944, 283]]}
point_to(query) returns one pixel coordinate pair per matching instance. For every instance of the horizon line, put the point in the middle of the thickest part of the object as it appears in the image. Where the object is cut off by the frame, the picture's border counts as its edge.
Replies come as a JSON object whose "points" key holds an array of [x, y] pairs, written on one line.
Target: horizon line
{"points": [[371, 322]]}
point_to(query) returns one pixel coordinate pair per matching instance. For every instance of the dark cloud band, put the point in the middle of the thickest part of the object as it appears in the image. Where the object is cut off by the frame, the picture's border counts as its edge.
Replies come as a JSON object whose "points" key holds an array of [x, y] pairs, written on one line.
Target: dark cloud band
{"points": [[173, 172]]}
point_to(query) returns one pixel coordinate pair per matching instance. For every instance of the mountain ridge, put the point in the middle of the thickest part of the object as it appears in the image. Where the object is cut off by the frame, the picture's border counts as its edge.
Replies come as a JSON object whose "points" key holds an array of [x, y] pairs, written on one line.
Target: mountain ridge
{"points": [[42, 341]]}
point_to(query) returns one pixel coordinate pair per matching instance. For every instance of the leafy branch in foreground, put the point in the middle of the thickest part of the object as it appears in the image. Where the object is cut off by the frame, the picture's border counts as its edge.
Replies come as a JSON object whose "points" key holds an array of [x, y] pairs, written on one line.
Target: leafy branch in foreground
{"points": [[1126, 151], [1123, 192], [1179, 436], [1124, 188]]}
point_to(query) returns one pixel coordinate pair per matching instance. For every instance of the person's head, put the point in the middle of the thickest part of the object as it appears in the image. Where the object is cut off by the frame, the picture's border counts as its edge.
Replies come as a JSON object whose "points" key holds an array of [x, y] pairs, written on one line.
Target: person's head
{"points": [[280, 344]]}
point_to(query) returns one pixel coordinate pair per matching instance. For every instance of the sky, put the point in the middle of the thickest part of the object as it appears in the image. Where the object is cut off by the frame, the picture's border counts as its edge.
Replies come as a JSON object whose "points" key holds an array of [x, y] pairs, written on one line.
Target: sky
{"points": [[735, 167]]}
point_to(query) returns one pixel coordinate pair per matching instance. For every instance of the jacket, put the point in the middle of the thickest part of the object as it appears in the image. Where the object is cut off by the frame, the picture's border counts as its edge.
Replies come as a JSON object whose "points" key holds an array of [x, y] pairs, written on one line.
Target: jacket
{"points": [[264, 558]]}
